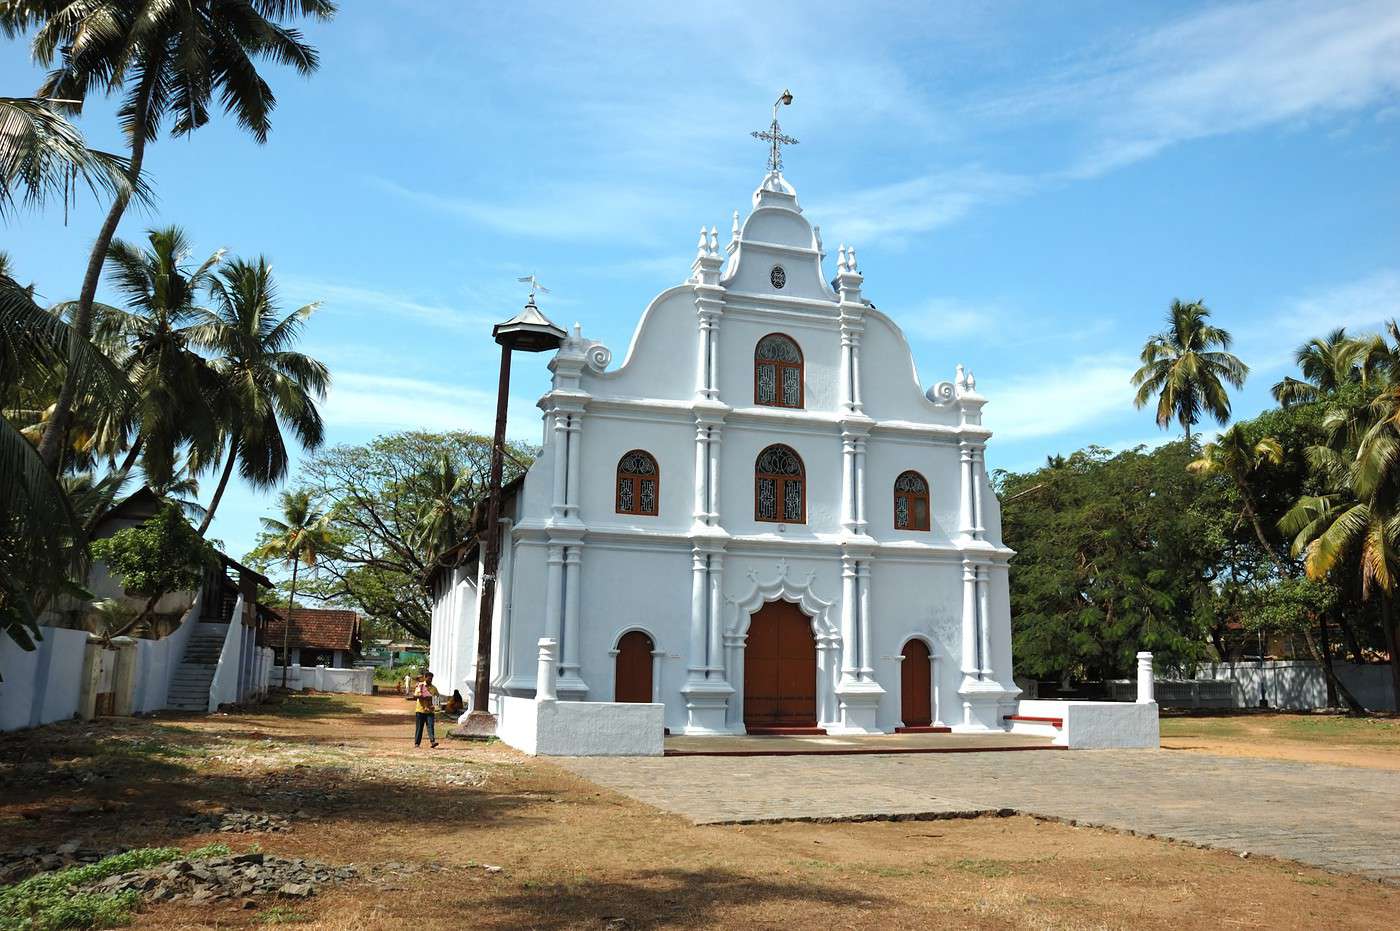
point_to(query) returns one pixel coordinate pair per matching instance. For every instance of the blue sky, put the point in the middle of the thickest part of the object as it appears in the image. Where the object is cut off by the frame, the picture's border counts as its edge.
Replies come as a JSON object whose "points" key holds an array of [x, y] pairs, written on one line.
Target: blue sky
{"points": [[1028, 186]]}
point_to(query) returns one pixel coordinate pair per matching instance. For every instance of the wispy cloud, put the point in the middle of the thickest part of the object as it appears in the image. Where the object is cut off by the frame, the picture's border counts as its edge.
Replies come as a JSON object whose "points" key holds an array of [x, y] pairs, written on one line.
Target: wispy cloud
{"points": [[946, 318], [1082, 392], [1364, 304], [919, 204], [1225, 70], [340, 296], [385, 402]]}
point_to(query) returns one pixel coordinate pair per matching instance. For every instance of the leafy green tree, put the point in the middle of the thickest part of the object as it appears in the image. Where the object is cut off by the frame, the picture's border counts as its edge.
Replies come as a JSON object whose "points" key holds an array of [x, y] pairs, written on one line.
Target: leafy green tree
{"points": [[263, 383], [1239, 458], [169, 61], [395, 511], [161, 556], [297, 539], [1115, 553], [1187, 367]]}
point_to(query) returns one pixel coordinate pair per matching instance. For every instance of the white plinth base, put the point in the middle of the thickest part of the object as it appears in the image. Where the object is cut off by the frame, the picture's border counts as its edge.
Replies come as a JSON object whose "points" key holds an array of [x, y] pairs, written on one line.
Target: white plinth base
{"points": [[707, 706], [582, 728], [858, 708], [1094, 725], [983, 701], [570, 687]]}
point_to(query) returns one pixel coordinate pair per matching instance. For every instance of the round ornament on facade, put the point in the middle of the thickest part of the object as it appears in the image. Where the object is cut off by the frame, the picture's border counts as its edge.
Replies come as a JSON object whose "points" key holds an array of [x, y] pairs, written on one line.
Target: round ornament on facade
{"points": [[777, 276]]}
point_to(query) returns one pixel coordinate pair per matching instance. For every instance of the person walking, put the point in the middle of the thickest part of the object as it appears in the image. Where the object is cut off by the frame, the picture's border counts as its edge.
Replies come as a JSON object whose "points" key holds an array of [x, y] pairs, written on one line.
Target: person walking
{"points": [[424, 693]]}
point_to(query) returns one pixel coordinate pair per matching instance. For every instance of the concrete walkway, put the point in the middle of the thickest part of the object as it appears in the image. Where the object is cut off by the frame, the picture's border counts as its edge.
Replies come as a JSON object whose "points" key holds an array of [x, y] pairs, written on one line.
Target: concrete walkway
{"points": [[1335, 817], [853, 744]]}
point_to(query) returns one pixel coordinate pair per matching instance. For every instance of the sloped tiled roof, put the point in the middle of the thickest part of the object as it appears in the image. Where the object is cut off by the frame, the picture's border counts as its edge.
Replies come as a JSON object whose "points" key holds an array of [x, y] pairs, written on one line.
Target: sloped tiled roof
{"points": [[316, 629]]}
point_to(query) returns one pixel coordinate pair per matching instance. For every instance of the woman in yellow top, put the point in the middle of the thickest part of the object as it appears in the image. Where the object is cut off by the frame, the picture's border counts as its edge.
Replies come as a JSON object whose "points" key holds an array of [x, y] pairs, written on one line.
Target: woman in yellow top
{"points": [[424, 693]]}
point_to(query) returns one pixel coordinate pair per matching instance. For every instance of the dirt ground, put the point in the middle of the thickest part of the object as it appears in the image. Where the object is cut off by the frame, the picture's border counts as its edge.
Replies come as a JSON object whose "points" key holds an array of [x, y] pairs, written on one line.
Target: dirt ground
{"points": [[1372, 742], [576, 856]]}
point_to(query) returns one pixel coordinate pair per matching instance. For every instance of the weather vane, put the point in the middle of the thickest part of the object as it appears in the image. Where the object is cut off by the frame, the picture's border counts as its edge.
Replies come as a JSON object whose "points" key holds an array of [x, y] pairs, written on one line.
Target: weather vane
{"points": [[534, 286], [775, 136]]}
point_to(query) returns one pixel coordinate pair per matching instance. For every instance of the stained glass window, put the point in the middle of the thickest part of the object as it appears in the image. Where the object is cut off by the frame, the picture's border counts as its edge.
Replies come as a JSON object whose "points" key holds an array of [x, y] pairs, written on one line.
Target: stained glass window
{"points": [[779, 490], [638, 483], [777, 372], [911, 506]]}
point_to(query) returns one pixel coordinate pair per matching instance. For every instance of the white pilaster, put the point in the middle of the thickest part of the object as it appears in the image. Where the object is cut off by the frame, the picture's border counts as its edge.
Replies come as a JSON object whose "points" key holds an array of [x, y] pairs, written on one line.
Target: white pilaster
{"points": [[571, 684], [560, 450], [699, 612], [575, 432], [848, 483], [554, 595], [715, 662], [714, 447], [967, 523], [861, 523], [850, 621], [970, 666], [984, 626], [979, 467], [701, 507], [867, 643]]}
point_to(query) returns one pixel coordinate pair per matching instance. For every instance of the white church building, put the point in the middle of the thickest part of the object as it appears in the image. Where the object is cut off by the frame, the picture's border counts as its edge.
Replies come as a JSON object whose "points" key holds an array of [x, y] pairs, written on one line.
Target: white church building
{"points": [[761, 518]]}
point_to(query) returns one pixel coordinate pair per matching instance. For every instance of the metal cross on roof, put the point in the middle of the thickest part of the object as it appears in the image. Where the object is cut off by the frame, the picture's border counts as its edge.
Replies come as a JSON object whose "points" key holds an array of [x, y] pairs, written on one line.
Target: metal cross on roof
{"points": [[534, 286], [775, 137]]}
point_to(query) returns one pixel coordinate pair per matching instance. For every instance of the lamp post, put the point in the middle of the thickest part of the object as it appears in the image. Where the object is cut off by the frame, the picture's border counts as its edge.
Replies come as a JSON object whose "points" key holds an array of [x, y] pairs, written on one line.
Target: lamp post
{"points": [[527, 331]]}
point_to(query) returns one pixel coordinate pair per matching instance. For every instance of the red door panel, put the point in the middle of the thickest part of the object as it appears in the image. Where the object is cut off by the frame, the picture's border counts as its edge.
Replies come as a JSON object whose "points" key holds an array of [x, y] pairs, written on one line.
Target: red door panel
{"points": [[633, 668], [780, 668], [916, 705]]}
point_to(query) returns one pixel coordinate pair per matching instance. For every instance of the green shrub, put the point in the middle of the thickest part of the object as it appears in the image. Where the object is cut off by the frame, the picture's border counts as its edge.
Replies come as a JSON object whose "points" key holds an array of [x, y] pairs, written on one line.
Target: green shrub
{"points": [[162, 555], [47, 902]]}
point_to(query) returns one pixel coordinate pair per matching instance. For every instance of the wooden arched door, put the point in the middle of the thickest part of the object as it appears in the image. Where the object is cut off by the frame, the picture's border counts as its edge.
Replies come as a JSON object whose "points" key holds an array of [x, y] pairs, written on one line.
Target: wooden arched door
{"points": [[780, 669], [916, 686], [633, 683]]}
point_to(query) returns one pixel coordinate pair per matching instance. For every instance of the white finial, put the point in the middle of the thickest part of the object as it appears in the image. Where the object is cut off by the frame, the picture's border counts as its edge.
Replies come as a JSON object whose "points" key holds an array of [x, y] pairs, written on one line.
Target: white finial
{"points": [[851, 258], [735, 229], [971, 381], [817, 234], [704, 240], [578, 330], [841, 262], [714, 239], [959, 378]]}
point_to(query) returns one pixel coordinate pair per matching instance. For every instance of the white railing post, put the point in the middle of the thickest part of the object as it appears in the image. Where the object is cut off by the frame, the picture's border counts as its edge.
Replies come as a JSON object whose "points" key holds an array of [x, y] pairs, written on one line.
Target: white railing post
{"points": [[544, 676], [1144, 682]]}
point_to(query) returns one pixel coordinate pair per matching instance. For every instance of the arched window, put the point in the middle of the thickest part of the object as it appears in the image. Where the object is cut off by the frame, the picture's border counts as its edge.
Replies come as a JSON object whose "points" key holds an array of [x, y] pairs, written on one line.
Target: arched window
{"points": [[638, 483], [911, 502], [777, 372], [780, 494]]}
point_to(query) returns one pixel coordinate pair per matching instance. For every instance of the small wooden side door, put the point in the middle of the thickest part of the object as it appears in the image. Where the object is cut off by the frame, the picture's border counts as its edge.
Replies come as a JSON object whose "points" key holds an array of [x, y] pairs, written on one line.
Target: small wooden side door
{"points": [[915, 693], [633, 683]]}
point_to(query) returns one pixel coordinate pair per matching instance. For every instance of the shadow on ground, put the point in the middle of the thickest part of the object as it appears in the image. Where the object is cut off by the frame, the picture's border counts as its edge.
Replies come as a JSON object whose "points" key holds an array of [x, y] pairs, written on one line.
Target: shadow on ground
{"points": [[675, 898]]}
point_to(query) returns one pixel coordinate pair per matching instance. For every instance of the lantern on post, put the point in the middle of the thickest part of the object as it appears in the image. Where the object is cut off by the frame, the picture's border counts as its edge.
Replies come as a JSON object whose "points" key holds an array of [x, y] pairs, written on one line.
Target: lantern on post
{"points": [[527, 331]]}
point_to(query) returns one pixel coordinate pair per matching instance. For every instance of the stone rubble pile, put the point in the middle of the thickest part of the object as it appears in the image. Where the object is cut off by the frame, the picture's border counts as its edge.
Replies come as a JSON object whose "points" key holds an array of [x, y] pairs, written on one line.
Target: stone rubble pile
{"points": [[20, 864], [236, 822], [236, 876]]}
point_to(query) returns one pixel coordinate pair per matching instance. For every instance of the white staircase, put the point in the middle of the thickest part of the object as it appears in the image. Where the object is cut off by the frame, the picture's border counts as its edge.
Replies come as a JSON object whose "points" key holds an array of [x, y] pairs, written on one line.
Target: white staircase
{"points": [[189, 687]]}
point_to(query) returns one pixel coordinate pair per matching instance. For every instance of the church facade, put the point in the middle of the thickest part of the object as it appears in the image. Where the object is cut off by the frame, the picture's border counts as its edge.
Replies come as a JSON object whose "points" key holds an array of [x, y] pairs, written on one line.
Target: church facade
{"points": [[761, 518]]}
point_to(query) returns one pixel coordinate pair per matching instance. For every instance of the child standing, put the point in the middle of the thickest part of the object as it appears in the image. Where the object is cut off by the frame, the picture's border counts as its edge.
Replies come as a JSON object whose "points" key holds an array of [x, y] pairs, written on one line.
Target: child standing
{"points": [[424, 693]]}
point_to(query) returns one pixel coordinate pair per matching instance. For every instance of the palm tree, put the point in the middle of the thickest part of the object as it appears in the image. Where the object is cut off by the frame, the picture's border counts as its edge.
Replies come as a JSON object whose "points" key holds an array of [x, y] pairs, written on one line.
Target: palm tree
{"points": [[171, 382], [42, 154], [1357, 521], [440, 517], [169, 61], [1234, 457], [1182, 367], [41, 546], [263, 384], [1326, 364], [297, 538]]}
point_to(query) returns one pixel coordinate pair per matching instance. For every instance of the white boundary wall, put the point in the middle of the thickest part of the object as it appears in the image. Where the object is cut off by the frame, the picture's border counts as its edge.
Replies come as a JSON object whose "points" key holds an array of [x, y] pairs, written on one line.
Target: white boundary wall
{"points": [[581, 728], [42, 685], [1299, 685], [325, 679], [1093, 725], [223, 688]]}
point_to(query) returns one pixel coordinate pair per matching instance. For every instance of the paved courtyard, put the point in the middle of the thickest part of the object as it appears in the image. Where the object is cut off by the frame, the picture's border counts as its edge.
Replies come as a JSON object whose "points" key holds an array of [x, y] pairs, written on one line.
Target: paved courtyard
{"points": [[1335, 817]]}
